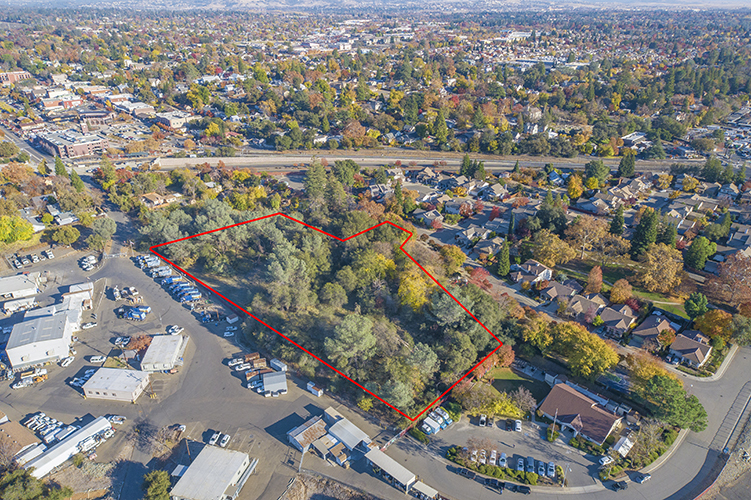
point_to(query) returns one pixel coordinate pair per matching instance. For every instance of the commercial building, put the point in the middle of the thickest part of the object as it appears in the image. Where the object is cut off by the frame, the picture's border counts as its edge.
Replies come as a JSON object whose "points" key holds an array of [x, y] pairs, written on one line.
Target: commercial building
{"points": [[389, 469], [71, 144], [215, 474], [116, 384], [83, 439], [163, 353], [11, 77], [174, 119], [39, 340], [302, 436], [16, 438], [19, 286]]}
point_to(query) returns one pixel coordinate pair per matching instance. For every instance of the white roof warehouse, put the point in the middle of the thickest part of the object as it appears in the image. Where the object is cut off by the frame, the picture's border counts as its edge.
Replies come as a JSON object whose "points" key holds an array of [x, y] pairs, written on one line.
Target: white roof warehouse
{"points": [[22, 285], [215, 474], [116, 384], [163, 352]]}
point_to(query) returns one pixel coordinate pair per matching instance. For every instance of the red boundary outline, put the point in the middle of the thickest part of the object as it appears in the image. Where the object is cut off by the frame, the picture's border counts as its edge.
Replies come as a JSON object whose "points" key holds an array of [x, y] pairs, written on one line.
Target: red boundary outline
{"points": [[305, 350]]}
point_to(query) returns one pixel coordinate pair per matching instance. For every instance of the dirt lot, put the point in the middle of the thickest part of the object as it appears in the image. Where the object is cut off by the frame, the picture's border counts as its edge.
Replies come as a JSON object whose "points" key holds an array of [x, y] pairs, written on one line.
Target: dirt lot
{"points": [[310, 487]]}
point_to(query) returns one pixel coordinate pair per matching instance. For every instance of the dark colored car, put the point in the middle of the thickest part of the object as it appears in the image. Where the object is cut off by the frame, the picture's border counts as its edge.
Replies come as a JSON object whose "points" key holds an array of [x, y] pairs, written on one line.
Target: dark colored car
{"points": [[620, 485], [511, 487], [468, 473], [523, 489], [510, 425]]}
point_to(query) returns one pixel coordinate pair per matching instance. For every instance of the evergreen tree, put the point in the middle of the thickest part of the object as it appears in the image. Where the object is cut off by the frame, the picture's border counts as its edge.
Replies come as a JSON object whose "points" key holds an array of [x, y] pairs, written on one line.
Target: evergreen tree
{"points": [[466, 166], [696, 305], [511, 225], [700, 250], [504, 262], [616, 226], [76, 181], [315, 180], [516, 167], [440, 129], [479, 172], [645, 234], [656, 152], [398, 198], [740, 177], [60, 170], [627, 167], [668, 234], [43, 168]]}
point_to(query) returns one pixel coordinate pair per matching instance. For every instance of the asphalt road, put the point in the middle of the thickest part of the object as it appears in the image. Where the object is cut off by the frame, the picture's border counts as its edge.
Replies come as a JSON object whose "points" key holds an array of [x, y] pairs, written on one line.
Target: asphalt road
{"points": [[36, 156]]}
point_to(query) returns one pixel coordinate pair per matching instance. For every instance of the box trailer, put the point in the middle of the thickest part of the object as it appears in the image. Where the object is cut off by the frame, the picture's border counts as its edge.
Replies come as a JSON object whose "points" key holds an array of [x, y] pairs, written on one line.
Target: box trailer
{"points": [[250, 357], [278, 365], [430, 426], [438, 419], [259, 363], [312, 388]]}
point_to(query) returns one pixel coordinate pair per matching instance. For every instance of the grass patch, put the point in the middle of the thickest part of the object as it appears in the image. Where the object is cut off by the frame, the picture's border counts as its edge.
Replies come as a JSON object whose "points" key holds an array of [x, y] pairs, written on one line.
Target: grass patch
{"points": [[16, 247], [113, 362], [506, 380]]}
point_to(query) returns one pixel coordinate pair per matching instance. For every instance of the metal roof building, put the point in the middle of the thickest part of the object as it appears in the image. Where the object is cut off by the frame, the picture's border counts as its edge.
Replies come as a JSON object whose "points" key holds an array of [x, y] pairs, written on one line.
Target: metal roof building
{"points": [[19, 286], [116, 384], [302, 436], [39, 340], [275, 383], [62, 451], [215, 474], [349, 434], [389, 468], [163, 353]]}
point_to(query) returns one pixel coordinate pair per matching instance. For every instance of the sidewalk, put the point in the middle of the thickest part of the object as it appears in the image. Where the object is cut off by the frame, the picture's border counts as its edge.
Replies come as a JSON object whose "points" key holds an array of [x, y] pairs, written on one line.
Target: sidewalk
{"points": [[718, 375]]}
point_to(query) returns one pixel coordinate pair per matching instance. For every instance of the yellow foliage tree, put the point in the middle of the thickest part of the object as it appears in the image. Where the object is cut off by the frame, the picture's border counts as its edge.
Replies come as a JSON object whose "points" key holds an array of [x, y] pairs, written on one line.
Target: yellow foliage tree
{"points": [[414, 289]]}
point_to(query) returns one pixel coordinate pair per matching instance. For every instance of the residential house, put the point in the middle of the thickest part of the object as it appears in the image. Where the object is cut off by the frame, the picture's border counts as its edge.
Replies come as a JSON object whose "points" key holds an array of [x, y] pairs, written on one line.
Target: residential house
{"points": [[494, 192], [649, 330], [531, 271], [379, 192], [579, 413], [427, 216], [581, 307], [452, 182], [692, 347], [155, 200], [617, 321], [557, 291], [488, 248], [454, 206], [466, 237], [730, 191]]}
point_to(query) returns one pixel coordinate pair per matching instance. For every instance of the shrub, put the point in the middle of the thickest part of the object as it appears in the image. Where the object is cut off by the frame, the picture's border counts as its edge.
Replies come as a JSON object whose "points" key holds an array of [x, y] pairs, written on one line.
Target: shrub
{"points": [[78, 460], [669, 436], [454, 410], [532, 478], [419, 435]]}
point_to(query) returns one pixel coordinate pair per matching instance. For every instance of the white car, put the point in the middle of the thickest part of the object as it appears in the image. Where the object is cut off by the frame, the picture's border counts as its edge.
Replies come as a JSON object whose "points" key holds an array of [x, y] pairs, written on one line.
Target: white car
{"points": [[88, 325], [175, 330], [117, 419], [229, 334], [67, 361], [231, 328], [98, 359], [235, 362], [73, 351], [225, 440], [50, 255], [215, 438], [243, 367], [606, 460]]}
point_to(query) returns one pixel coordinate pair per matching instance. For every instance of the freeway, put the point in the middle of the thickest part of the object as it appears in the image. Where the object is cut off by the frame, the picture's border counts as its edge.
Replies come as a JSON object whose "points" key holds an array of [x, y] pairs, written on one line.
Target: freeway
{"points": [[292, 161]]}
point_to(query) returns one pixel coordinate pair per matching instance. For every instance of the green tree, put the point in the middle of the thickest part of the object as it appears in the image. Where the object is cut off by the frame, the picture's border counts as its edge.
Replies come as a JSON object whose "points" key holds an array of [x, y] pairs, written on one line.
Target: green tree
{"points": [[156, 485], [333, 294], [60, 170], [669, 403], [453, 258], [43, 168], [14, 228], [398, 199], [656, 152], [66, 235], [76, 181], [466, 166], [21, 485], [353, 341], [440, 129], [645, 233], [667, 235], [699, 251], [315, 180], [96, 242], [741, 330], [627, 166], [696, 305], [616, 226], [104, 227], [504, 263], [596, 169], [712, 170], [511, 224]]}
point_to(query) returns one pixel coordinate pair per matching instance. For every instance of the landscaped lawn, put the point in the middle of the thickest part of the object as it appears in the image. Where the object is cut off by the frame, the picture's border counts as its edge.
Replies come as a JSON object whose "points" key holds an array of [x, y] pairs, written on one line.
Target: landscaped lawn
{"points": [[506, 380]]}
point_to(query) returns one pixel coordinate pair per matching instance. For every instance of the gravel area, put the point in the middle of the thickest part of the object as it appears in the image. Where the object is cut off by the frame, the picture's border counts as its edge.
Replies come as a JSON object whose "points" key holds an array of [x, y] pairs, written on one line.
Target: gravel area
{"points": [[308, 486], [737, 467]]}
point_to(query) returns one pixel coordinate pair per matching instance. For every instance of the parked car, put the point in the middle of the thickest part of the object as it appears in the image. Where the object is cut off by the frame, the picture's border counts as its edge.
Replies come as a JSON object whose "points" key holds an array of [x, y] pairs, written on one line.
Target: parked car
{"points": [[229, 334], [483, 457], [530, 464], [643, 478], [551, 469], [25, 261], [225, 440], [473, 458], [231, 328], [175, 330], [67, 361], [490, 422], [235, 362], [503, 460], [50, 255], [606, 460], [97, 359], [525, 490], [520, 465], [117, 419], [493, 457], [541, 468], [518, 425], [88, 325], [510, 424], [215, 438], [483, 420], [620, 485]]}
